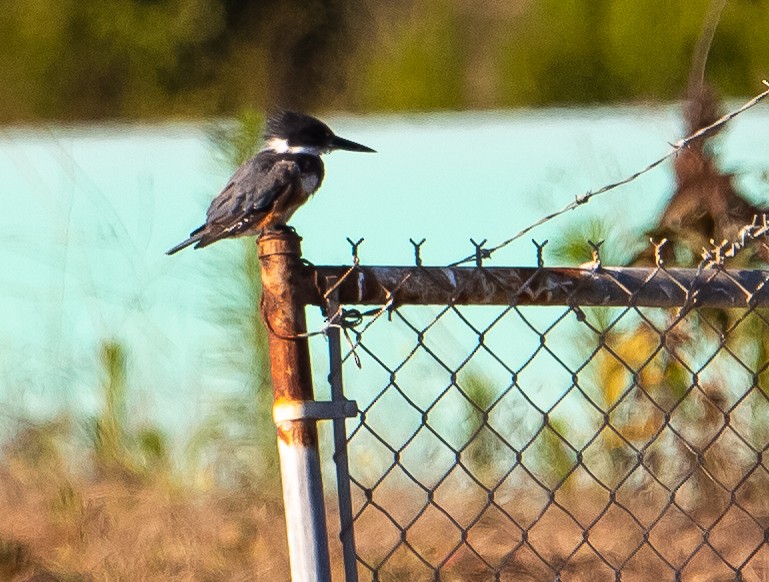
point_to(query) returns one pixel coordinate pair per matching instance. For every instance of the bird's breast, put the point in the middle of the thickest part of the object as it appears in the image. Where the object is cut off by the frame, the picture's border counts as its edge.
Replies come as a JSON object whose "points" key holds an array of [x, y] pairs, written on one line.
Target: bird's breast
{"points": [[310, 182]]}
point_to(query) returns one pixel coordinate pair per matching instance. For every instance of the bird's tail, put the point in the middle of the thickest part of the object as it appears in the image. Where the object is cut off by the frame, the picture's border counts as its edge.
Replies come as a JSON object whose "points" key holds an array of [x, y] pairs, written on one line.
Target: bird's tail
{"points": [[183, 245]]}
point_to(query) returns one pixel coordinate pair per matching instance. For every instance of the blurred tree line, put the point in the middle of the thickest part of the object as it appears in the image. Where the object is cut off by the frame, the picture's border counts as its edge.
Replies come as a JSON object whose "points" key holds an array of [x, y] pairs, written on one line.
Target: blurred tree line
{"points": [[72, 60]]}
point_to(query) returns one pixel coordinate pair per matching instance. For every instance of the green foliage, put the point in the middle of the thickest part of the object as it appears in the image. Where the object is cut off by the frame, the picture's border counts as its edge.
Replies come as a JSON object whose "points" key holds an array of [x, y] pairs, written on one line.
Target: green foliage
{"points": [[483, 445], [573, 248], [238, 439], [235, 143], [135, 58], [553, 453], [549, 452], [104, 59], [118, 445], [421, 64], [110, 428]]}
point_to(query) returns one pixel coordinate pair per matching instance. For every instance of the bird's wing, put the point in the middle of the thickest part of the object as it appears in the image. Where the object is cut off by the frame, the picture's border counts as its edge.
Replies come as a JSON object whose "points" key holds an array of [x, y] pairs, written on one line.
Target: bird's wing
{"points": [[247, 198]]}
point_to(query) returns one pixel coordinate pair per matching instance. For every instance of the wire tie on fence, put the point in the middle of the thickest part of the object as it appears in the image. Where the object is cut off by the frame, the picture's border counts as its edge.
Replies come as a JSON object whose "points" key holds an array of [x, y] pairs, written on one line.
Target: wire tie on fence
{"points": [[596, 252], [540, 260], [388, 306], [690, 301], [314, 410], [307, 262], [340, 280], [293, 336], [355, 246], [345, 320], [480, 252], [417, 251], [658, 259], [350, 318], [283, 336], [345, 327], [268, 323], [391, 295]]}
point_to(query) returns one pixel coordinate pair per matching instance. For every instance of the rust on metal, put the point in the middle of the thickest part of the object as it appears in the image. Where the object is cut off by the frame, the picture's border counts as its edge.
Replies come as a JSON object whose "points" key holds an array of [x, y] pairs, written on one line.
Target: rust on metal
{"points": [[609, 287], [283, 306]]}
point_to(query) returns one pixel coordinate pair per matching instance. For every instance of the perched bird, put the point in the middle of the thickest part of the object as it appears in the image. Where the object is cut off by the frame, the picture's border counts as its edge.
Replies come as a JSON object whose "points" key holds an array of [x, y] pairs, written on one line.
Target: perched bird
{"points": [[265, 191]]}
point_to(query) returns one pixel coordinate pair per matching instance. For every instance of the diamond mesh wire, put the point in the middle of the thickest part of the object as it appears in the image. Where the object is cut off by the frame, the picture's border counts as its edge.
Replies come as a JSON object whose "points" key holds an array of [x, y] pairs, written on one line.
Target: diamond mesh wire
{"points": [[561, 443]]}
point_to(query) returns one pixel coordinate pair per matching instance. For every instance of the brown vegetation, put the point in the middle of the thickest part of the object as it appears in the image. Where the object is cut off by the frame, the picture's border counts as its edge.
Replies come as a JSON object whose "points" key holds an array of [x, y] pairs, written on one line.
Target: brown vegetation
{"points": [[79, 523]]}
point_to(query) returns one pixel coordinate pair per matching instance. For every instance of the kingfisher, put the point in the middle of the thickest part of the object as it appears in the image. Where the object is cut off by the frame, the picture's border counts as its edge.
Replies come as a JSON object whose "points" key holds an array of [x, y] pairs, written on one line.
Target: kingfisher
{"points": [[266, 190]]}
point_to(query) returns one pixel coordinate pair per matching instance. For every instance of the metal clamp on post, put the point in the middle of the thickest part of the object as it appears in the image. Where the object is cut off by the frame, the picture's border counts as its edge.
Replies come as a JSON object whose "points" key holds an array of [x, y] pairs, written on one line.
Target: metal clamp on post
{"points": [[314, 410]]}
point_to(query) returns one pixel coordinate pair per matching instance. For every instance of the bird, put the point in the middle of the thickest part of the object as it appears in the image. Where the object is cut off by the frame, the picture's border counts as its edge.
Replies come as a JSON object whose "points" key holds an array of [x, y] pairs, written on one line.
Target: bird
{"points": [[264, 192]]}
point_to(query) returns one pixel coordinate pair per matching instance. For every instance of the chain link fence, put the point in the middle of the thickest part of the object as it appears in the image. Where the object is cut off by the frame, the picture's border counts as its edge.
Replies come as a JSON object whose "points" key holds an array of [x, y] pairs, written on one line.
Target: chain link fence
{"points": [[552, 424], [537, 423]]}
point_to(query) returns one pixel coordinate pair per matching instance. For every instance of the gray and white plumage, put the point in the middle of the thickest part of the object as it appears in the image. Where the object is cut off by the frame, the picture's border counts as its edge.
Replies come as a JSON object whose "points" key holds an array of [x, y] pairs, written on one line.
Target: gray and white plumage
{"points": [[266, 190]]}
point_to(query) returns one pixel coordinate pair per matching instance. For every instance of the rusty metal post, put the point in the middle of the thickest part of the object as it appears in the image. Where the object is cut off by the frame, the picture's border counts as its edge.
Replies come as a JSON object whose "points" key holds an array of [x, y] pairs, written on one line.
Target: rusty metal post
{"points": [[283, 309]]}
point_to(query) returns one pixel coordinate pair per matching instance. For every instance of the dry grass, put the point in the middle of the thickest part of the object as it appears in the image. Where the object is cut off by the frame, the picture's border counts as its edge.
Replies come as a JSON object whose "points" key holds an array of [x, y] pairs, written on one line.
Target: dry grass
{"points": [[112, 530], [95, 520], [66, 523], [62, 524], [592, 544]]}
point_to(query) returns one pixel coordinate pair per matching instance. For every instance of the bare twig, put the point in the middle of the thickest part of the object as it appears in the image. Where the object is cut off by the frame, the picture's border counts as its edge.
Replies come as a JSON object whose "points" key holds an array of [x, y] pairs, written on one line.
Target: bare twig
{"points": [[584, 198]]}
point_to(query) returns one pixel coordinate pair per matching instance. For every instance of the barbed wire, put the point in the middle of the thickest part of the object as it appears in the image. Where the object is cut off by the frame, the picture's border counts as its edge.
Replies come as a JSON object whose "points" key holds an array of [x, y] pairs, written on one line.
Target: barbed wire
{"points": [[585, 198], [685, 460], [720, 251], [714, 256], [669, 451]]}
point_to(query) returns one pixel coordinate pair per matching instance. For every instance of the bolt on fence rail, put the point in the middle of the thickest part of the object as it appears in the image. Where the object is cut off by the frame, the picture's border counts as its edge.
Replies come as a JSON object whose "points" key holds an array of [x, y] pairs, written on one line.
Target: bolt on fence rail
{"points": [[530, 423]]}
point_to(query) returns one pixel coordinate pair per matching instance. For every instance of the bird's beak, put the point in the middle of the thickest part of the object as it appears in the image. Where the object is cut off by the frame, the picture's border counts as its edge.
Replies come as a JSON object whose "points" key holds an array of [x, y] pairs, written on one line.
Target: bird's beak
{"points": [[339, 143]]}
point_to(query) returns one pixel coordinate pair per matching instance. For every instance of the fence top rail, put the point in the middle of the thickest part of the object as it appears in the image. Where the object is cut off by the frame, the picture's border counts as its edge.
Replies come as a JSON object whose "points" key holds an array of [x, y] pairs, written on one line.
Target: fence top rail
{"points": [[605, 286]]}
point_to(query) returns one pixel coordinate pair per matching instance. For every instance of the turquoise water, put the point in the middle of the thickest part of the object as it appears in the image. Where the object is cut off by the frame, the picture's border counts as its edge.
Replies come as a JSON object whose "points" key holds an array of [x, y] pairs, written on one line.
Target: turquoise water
{"points": [[89, 212]]}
